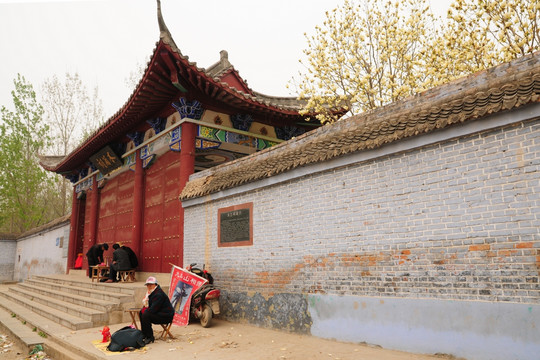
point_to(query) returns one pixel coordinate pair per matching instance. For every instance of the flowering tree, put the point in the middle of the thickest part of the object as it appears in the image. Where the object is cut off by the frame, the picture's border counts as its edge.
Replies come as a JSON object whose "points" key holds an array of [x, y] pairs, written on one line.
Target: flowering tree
{"points": [[371, 52], [364, 55], [481, 34]]}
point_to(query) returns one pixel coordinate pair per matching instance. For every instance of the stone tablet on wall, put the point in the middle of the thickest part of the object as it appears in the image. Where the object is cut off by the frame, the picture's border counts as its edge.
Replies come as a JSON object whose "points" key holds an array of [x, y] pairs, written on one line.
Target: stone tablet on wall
{"points": [[235, 225]]}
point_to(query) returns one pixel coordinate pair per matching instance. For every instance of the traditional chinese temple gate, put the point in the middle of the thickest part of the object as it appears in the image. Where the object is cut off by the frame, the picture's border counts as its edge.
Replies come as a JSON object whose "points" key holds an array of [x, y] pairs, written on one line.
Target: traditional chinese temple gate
{"points": [[180, 119]]}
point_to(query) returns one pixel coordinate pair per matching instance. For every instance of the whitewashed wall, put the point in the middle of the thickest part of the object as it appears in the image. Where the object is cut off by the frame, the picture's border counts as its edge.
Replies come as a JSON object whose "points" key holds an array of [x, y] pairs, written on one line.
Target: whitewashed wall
{"points": [[8, 248], [43, 252]]}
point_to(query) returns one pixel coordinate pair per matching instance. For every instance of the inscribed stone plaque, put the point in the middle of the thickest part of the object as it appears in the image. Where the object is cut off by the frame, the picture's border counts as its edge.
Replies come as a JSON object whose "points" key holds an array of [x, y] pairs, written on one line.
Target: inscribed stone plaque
{"points": [[106, 160], [235, 225]]}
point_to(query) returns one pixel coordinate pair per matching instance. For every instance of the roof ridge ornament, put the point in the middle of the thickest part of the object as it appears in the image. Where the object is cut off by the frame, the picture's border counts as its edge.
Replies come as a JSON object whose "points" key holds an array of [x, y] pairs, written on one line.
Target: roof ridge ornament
{"points": [[164, 33], [224, 57]]}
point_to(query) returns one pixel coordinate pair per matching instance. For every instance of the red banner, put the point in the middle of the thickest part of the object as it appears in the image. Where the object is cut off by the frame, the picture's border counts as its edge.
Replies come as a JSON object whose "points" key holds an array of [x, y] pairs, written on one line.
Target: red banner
{"points": [[183, 285]]}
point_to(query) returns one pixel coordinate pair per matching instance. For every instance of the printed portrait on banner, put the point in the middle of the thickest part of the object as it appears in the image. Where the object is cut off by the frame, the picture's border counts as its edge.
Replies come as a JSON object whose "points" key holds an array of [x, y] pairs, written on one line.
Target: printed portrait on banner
{"points": [[183, 285]]}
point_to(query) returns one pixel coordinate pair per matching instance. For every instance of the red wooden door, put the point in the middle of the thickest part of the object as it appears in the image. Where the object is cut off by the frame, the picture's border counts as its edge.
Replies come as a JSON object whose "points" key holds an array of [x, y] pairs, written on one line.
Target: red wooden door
{"points": [[161, 230], [171, 215], [153, 214], [124, 208], [106, 226], [115, 211]]}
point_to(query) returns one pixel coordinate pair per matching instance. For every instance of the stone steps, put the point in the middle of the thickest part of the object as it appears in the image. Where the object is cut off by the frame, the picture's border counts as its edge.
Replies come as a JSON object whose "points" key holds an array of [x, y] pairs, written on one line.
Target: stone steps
{"points": [[29, 329], [66, 297], [72, 301], [87, 293], [58, 316], [85, 283], [20, 332], [49, 310]]}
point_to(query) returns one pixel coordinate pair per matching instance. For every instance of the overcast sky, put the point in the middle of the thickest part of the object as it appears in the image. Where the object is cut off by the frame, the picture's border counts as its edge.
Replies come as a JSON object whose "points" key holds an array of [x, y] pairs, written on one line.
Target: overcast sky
{"points": [[104, 40]]}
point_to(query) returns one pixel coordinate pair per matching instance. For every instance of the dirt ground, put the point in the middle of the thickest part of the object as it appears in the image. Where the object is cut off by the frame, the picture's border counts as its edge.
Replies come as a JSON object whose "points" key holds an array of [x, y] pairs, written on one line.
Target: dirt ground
{"points": [[232, 341], [9, 350]]}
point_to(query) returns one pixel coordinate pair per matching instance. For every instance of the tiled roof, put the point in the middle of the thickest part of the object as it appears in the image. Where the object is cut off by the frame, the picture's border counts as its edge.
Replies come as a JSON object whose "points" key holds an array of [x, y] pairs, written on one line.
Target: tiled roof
{"points": [[156, 90], [498, 89], [216, 71], [8, 236], [50, 225], [219, 68]]}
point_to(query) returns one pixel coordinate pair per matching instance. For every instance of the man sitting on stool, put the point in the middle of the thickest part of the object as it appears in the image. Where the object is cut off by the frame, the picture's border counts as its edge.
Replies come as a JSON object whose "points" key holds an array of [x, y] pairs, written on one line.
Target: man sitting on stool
{"points": [[157, 309], [120, 263]]}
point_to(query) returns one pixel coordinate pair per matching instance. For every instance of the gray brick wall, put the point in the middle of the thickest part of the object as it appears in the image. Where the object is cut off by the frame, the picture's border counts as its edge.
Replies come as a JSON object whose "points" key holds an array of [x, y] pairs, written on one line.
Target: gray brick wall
{"points": [[7, 259], [455, 220]]}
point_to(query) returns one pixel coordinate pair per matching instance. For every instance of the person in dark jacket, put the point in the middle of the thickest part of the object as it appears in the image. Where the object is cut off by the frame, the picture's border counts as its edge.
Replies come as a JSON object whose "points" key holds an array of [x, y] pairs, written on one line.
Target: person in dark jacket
{"points": [[157, 309], [95, 256], [120, 262], [132, 257]]}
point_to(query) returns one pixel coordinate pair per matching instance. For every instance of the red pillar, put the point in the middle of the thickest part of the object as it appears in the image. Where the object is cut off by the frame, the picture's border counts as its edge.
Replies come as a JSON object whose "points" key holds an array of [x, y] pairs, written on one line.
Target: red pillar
{"points": [[73, 227], [187, 167], [94, 211], [138, 207]]}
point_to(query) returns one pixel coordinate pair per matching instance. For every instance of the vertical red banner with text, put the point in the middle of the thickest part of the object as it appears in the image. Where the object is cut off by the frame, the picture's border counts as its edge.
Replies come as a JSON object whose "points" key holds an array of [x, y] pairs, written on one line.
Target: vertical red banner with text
{"points": [[183, 285]]}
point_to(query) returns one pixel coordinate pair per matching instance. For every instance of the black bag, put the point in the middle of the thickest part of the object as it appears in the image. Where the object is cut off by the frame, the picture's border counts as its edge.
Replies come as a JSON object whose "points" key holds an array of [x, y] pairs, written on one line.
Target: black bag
{"points": [[126, 337]]}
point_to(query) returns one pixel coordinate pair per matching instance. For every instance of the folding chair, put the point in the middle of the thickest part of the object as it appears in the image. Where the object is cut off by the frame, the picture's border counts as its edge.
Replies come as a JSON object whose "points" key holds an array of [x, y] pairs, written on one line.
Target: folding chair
{"points": [[166, 331]]}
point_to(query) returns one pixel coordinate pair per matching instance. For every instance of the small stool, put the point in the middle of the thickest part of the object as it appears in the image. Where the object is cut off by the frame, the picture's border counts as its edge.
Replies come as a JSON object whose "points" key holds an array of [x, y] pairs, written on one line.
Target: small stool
{"points": [[166, 331], [100, 272], [133, 312], [127, 275]]}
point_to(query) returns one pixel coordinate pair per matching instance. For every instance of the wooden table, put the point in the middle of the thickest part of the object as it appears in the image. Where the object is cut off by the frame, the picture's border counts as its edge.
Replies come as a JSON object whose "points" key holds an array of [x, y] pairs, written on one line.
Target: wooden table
{"points": [[134, 312], [100, 272]]}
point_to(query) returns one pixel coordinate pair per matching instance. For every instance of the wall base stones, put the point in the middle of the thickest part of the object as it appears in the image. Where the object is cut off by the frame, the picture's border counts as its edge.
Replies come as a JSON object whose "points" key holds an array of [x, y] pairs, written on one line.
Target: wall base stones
{"points": [[281, 311]]}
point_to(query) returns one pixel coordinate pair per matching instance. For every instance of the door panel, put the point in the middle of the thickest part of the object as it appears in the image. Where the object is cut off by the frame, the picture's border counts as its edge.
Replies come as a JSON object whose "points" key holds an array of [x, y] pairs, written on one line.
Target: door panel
{"points": [[161, 228]]}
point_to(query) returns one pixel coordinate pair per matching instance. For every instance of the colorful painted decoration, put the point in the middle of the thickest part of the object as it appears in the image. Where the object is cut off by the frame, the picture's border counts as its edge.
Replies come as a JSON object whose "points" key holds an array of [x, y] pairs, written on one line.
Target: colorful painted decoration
{"points": [[130, 161], [147, 162], [206, 144], [264, 144], [83, 173], [221, 136], [85, 185], [100, 179], [213, 157], [147, 155], [190, 109], [176, 136], [288, 132], [73, 178], [241, 139], [137, 137], [211, 134], [242, 121], [158, 124]]}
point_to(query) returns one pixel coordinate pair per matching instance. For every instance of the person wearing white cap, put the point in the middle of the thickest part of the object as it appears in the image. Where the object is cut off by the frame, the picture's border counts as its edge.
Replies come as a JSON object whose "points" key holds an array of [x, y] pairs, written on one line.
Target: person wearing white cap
{"points": [[157, 310]]}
